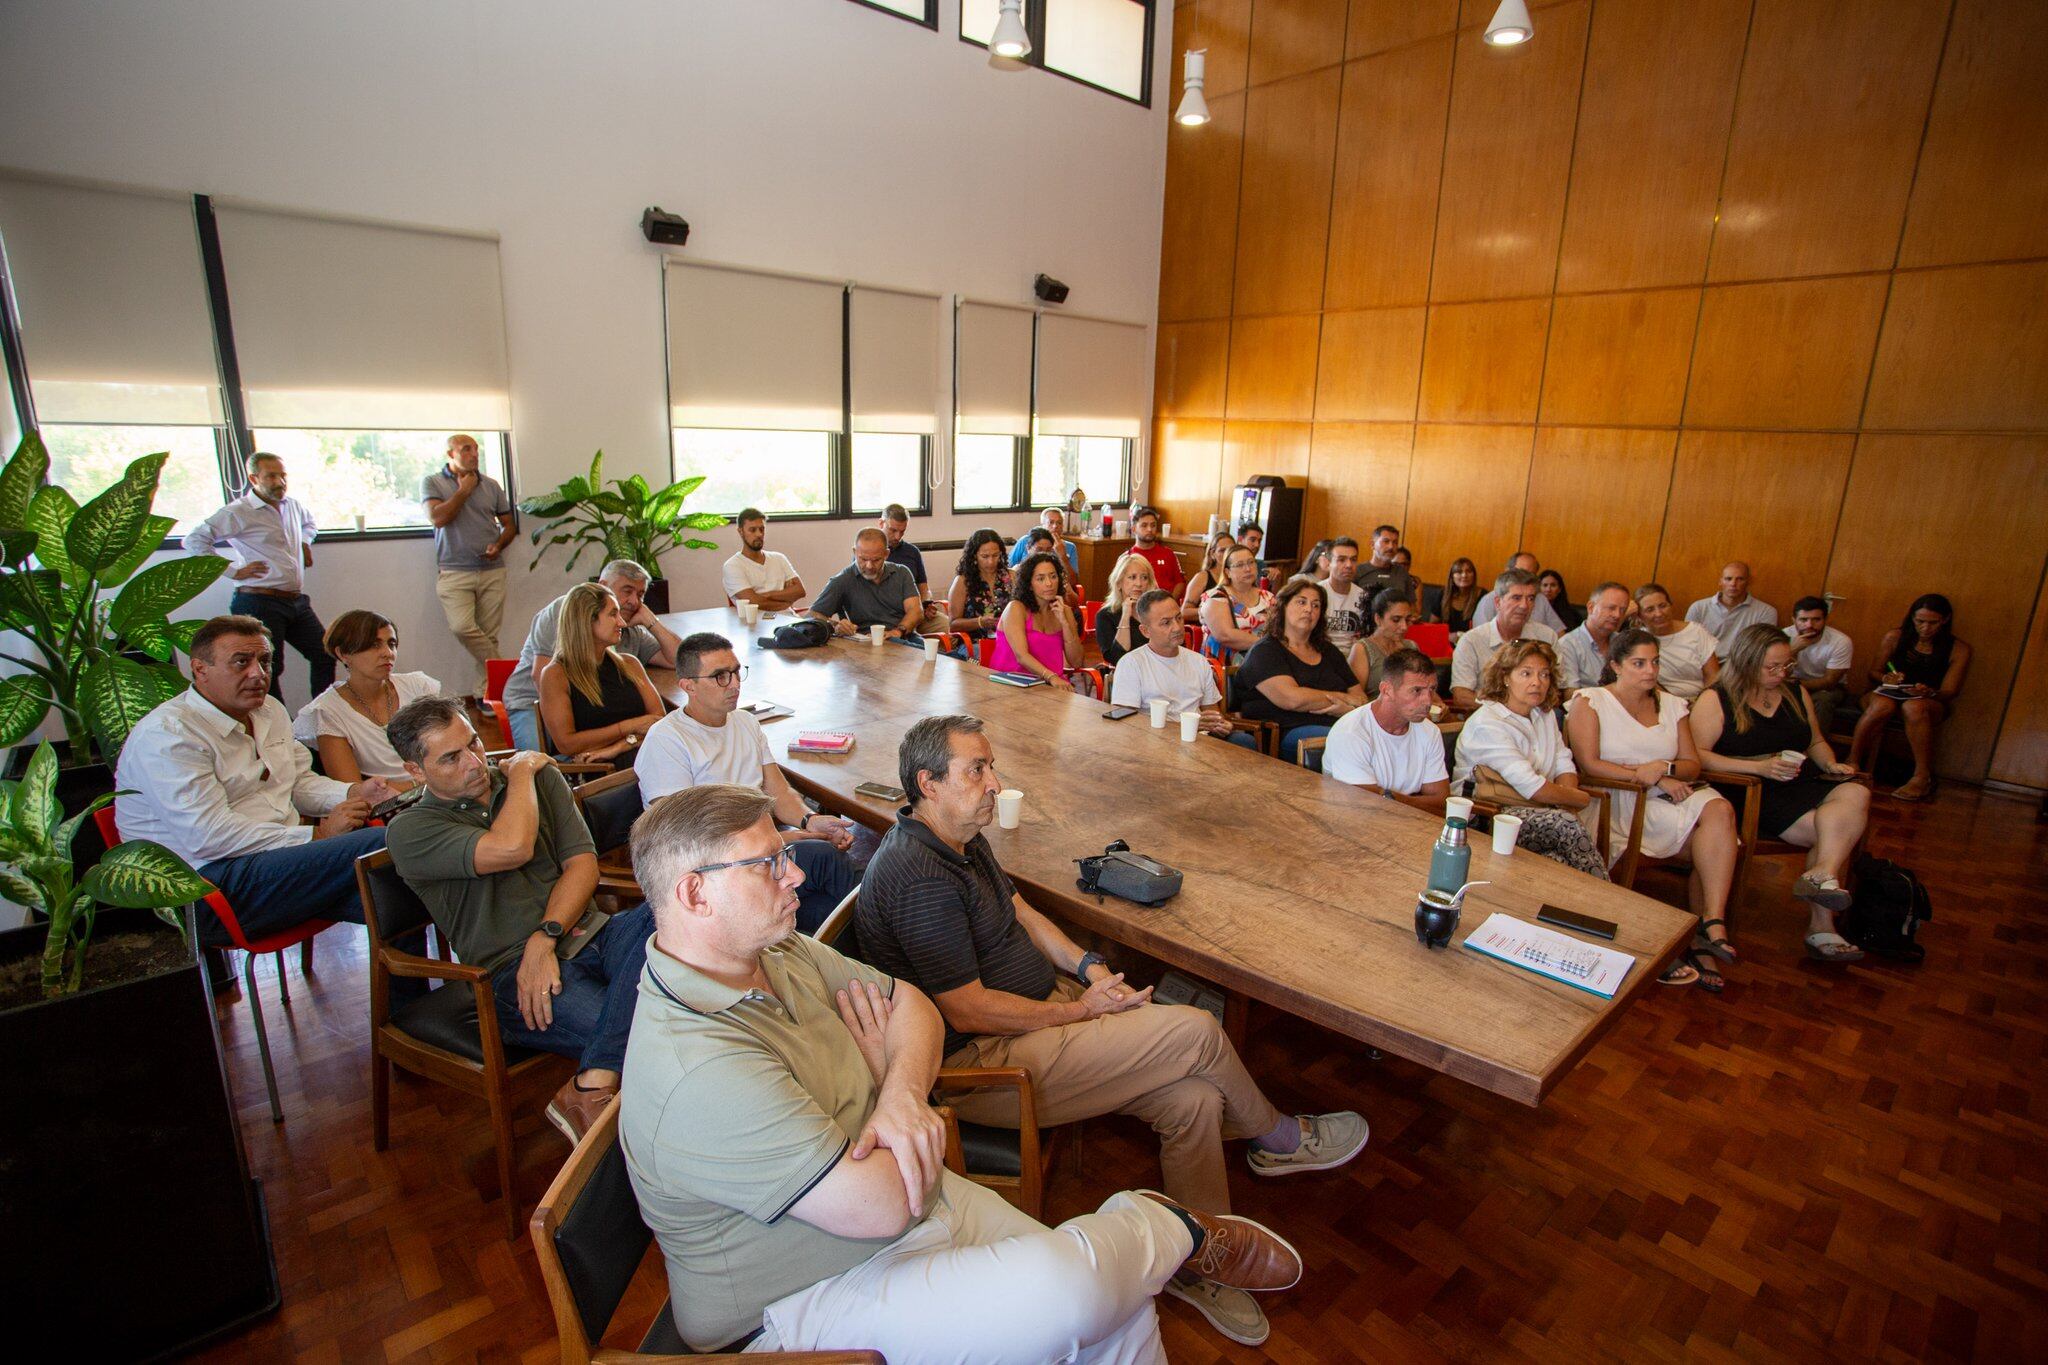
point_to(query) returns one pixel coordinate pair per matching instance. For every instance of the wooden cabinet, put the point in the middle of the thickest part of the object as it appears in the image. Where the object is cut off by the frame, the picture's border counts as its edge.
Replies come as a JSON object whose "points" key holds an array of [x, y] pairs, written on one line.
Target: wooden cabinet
{"points": [[1099, 555]]}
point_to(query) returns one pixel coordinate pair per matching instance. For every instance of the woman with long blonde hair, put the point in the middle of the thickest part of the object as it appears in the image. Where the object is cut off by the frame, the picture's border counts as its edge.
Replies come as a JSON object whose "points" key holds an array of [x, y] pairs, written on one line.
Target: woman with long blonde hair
{"points": [[1116, 625], [595, 699]]}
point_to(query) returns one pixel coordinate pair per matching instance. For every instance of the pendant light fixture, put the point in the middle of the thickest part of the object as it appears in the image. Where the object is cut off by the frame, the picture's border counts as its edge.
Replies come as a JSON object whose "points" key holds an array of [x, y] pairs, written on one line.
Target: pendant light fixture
{"points": [[1510, 24], [1010, 40], [1194, 110]]}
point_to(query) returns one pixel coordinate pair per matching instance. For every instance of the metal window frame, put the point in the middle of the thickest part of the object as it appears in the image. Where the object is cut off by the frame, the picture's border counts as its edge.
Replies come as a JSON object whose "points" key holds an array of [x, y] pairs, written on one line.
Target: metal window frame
{"points": [[1034, 26], [931, 13]]}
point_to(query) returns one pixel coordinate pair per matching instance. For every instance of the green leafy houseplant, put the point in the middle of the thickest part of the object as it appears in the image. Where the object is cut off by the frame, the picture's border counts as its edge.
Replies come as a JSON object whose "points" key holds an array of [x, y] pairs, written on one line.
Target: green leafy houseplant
{"points": [[57, 562], [36, 871], [629, 520]]}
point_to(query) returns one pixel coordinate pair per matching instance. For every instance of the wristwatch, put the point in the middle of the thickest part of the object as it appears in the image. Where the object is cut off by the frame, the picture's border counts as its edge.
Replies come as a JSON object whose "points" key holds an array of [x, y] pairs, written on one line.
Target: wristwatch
{"points": [[553, 928], [1670, 767], [1088, 960]]}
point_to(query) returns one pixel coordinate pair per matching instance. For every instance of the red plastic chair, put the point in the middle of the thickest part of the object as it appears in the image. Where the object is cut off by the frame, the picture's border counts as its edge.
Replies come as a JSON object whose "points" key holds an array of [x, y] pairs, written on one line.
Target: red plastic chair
{"points": [[301, 934], [1089, 611], [1432, 640], [985, 650], [497, 672]]}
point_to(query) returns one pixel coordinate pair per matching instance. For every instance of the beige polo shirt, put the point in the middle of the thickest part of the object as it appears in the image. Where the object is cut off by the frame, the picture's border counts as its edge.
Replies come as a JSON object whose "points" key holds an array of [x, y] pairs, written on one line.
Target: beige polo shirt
{"points": [[735, 1104]]}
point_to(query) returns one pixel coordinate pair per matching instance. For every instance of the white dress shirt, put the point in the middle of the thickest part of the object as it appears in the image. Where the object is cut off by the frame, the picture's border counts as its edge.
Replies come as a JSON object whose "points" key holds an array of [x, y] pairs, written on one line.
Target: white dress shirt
{"points": [[1724, 622], [1526, 751], [1476, 646], [1543, 615], [253, 529], [1580, 662], [206, 789]]}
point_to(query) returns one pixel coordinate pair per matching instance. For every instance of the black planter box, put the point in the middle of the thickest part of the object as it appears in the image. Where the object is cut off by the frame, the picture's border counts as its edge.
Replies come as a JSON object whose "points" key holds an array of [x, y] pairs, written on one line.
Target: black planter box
{"points": [[132, 1227]]}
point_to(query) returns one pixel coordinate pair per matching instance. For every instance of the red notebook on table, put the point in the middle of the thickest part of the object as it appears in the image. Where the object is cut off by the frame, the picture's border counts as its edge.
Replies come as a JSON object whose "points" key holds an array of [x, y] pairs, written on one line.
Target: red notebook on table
{"points": [[821, 742]]}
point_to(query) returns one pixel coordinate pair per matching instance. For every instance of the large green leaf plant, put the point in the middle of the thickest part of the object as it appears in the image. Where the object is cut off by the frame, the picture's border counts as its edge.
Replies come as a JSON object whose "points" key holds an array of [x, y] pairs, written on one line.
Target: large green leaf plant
{"points": [[629, 520], [37, 871], [58, 564]]}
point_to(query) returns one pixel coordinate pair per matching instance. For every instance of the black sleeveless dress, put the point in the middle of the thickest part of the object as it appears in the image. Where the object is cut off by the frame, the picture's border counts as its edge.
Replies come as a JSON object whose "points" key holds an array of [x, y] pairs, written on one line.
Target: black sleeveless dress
{"points": [[1783, 802], [1921, 670], [618, 699]]}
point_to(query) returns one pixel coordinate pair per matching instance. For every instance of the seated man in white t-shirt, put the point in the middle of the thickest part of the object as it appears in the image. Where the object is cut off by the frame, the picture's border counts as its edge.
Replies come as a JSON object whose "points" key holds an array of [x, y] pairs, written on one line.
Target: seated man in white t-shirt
{"points": [[1391, 746], [1164, 669], [711, 740], [761, 576], [1821, 656], [1515, 590]]}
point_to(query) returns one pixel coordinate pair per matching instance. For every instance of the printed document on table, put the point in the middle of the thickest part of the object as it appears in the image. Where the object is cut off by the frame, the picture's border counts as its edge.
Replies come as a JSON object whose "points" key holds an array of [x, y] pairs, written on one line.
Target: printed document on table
{"points": [[1547, 952]]}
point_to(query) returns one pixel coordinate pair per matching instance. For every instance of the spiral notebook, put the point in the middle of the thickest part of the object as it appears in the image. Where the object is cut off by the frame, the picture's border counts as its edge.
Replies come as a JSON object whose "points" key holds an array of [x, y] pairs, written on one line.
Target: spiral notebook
{"points": [[1547, 952]]}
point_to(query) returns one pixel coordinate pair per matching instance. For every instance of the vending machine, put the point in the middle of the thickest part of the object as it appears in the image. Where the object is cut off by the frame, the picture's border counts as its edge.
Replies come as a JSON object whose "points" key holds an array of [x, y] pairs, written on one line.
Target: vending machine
{"points": [[1267, 501]]}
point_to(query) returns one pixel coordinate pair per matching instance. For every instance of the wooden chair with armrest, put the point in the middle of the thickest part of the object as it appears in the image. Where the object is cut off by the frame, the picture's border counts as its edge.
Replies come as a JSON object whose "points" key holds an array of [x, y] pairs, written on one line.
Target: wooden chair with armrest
{"points": [[590, 1241], [1622, 872], [610, 804], [449, 1034], [1603, 832], [1747, 813]]}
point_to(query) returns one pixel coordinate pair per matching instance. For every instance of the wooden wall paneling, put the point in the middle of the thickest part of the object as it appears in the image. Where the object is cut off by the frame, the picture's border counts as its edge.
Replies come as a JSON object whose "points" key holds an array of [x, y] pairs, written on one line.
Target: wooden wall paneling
{"points": [[1981, 191], [1619, 358], [1358, 478], [1368, 365], [1465, 490], [1293, 36], [1283, 216], [1766, 497], [1507, 156], [1908, 526], [2021, 754], [1198, 242], [1376, 25], [1224, 29], [1652, 137], [1192, 361], [1483, 362], [1261, 448], [1793, 353], [1828, 120], [1187, 465], [1273, 368], [1964, 349], [1390, 151], [1596, 501]]}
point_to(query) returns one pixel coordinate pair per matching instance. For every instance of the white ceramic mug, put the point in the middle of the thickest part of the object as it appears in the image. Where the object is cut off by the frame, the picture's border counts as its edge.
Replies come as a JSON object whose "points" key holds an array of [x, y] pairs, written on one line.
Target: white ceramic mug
{"points": [[1190, 726], [1158, 708], [931, 649], [1506, 829], [1009, 807], [876, 634]]}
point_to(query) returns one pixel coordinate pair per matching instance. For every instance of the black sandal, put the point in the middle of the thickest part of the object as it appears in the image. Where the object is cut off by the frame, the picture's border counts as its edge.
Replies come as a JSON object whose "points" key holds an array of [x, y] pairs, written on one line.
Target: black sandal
{"points": [[1711, 980], [1721, 947], [1679, 973]]}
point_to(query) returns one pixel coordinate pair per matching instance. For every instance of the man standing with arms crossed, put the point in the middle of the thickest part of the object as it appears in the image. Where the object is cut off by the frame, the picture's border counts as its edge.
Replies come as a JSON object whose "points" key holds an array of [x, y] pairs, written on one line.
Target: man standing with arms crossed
{"points": [[473, 523], [270, 536]]}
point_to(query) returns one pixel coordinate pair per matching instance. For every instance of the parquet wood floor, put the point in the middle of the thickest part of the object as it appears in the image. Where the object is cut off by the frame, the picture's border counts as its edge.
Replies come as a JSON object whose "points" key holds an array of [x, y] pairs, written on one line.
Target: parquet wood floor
{"points": [[1819, 1165]]}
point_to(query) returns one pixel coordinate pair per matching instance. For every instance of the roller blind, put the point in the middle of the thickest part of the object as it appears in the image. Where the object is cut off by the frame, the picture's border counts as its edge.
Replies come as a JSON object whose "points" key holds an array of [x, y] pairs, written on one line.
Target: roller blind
{"points": [[992, 356], [112, 296], [895, 361], [1093, 377], [761, 352], [352, 325]]}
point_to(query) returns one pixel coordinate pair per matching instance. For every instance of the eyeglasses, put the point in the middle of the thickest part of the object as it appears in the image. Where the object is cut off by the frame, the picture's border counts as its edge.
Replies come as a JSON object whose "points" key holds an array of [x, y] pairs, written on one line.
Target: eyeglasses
{"points": [[777, 862], [724, 677]]}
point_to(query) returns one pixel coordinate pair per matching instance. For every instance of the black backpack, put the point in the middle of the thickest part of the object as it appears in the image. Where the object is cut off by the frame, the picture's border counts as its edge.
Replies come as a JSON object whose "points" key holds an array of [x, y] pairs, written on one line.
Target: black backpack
{"points": [[1889, 908]]}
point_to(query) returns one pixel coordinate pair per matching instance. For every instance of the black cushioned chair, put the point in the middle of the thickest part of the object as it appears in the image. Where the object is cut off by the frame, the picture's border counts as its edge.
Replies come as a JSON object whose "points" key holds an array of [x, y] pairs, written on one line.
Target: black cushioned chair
{"points": [[449, 1034], [610, 805]]}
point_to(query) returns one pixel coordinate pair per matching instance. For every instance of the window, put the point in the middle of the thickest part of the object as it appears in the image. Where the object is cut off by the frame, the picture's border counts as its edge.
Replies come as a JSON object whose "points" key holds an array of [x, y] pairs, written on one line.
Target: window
{"points": [[1106, 44], [1097, 465], [86, 458], [924, 12], [780, 472], [341, 475], [984, 473], [888, 467]]}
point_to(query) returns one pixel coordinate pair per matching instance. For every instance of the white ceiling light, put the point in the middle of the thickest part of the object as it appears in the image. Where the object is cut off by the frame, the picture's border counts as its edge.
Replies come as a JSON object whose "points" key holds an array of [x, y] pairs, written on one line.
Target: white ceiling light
{"points": [[1010, 40], [1510, 24], [1194, 110]]}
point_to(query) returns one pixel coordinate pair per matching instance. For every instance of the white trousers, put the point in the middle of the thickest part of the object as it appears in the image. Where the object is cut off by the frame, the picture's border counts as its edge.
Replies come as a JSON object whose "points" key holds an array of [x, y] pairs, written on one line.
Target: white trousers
{"points": [[978, 1282]]}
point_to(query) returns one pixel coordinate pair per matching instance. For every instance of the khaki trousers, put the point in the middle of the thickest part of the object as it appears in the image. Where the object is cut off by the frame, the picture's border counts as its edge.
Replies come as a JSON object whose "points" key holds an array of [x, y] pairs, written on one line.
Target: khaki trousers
{"points": [[473, 600], [1169, 1065], [979, 1282]]}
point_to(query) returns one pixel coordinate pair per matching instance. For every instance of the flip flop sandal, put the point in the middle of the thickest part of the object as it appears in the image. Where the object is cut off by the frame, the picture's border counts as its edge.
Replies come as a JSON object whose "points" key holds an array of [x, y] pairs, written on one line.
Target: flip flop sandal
{"points": [[1679, 974], [1924, 794], [1711, 980], [1722, 948], [1832, 948], [1825, 892]]}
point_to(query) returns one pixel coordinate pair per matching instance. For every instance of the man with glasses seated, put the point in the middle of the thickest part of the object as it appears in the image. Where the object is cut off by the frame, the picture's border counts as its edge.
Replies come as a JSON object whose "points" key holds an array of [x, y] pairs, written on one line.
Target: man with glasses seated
{"points": [[711, 740], [506, 866]]}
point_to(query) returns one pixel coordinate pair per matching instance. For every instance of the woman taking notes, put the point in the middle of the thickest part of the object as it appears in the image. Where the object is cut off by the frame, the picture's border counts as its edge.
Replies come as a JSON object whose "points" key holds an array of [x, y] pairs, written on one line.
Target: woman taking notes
{"points": [[595, 699], [1747, 722], [1919, 672], [1037, 633], [346, 722], [1630, 731]]}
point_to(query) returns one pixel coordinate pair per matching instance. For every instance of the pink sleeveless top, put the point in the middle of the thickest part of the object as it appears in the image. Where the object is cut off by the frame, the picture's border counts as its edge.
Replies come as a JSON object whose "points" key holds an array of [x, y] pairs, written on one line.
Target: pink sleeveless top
{"points": [[1047, 646]]}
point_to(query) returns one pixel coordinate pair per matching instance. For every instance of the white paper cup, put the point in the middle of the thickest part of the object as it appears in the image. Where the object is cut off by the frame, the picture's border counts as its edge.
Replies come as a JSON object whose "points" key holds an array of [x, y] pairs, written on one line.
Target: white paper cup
{"points": [[1190, 726], [1794, 757], [1165, 528], [931, 649], [1460, 806], [1506, 829], [876, 634], [1158, 707], [750, 612], [361, 520], [1009, 807]]}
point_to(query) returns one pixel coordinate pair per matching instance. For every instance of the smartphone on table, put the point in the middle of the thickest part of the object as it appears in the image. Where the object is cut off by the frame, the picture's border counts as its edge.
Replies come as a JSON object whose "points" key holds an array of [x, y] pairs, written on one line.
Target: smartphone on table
{"points": [[881, 791], [1572, 919], [1119, 712]]}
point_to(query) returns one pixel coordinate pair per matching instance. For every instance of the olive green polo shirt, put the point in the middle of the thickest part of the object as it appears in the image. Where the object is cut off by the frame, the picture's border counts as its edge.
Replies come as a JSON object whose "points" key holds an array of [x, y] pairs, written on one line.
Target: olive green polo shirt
{"points": [[735, 1104], [433, 846]]}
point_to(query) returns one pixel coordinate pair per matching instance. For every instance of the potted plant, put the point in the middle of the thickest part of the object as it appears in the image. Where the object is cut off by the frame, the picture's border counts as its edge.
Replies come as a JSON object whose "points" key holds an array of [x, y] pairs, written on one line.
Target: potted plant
{"points": [[130, 1212], [628, 520]]}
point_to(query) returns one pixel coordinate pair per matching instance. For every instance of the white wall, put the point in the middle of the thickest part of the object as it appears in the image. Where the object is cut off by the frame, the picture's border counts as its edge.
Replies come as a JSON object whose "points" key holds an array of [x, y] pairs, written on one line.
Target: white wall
{"points": [[818, 137]]}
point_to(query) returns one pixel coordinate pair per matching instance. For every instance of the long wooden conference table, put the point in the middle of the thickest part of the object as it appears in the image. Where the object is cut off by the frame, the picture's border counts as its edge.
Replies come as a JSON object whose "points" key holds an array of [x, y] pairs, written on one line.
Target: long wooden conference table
{"points": [[1308, 905]]}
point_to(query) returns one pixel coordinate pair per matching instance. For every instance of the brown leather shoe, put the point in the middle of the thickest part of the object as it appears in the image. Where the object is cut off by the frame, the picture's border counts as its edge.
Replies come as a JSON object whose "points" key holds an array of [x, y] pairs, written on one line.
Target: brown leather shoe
{"points": [[1236, 1251], [573, 1110]]}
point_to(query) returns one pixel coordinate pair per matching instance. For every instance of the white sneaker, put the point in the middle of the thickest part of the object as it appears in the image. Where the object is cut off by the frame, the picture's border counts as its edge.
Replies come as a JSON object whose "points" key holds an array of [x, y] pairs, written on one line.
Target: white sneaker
{"points": [[1328, 1141], [1232, 1312]]}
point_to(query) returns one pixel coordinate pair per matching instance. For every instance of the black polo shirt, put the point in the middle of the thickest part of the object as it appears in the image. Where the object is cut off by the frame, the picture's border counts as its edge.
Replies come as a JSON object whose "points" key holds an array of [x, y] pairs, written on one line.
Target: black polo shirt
{"points": [[939, 919]]}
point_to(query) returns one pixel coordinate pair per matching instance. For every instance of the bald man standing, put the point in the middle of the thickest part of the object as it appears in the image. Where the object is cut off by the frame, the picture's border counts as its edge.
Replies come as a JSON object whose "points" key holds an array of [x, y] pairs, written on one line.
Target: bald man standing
{"points": [[1729, 610]]}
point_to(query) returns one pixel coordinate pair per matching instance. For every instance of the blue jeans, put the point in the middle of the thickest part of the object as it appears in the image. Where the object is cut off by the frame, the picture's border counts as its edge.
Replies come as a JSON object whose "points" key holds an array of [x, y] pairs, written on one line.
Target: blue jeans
{"points": [[1290, 742], [525, 722], [595, 1008], [272, 891], [828, 876], [1243, 740]]}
